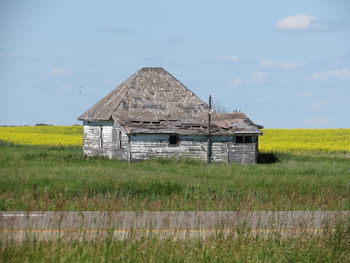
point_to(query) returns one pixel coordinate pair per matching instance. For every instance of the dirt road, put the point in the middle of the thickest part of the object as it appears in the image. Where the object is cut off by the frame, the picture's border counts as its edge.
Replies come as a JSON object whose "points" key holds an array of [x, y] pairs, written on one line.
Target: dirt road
{"points": [[92, 225]]}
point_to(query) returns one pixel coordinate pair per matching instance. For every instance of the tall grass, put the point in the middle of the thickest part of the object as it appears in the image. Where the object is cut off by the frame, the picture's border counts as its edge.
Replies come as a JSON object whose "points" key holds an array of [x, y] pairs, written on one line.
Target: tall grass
{"points": [[328, 247], [60, 178]]}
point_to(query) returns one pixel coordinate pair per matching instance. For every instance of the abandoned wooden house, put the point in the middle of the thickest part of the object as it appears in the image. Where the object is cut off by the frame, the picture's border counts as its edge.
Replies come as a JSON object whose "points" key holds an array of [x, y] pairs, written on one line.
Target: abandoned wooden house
{"points": [[153, 115]]}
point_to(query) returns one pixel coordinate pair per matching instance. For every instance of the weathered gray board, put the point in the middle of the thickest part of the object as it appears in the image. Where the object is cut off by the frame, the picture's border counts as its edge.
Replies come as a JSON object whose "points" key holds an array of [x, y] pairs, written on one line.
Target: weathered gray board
{"points": [[110, 140], [91, 225], [98, 139], [223, 148]]}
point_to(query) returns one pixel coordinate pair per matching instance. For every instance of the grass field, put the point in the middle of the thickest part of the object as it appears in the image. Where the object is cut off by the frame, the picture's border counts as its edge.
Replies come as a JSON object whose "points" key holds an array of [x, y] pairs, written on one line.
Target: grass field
{"points": [[60, 178], [46, 170], [328, 247]]}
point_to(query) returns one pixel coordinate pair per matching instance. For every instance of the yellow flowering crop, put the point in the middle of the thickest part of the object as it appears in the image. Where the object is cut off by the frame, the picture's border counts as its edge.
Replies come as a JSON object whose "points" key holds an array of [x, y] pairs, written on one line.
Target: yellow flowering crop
{"points": [[43, 135], [273, 140], [299, 140]]}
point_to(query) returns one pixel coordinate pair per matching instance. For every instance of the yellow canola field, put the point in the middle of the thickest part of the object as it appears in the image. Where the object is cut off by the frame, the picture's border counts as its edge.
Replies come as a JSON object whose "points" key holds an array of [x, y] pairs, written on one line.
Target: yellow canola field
{"points": [[299, 140], [43, 135], [273, 140]]}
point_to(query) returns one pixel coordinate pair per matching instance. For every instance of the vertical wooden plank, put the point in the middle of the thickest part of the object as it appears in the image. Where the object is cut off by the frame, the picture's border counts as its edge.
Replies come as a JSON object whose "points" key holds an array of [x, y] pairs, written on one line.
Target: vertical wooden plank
{"points": [[208, 149], [129, 149], [228, 152]]}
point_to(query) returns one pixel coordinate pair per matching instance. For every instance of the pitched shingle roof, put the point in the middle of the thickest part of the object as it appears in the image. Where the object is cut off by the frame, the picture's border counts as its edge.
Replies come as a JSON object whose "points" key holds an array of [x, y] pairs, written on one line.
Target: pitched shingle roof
{"points": [[150, 93], [153, 101]]}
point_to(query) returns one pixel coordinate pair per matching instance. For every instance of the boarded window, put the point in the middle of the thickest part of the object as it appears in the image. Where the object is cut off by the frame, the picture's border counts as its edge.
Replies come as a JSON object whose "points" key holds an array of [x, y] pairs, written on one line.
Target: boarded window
{"points": [[173, 140]]}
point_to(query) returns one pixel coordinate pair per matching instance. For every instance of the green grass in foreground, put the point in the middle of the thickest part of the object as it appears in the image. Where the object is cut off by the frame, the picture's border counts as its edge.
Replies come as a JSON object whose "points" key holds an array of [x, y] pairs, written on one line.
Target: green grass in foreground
{"points": [[328, 247], [60, 178]]}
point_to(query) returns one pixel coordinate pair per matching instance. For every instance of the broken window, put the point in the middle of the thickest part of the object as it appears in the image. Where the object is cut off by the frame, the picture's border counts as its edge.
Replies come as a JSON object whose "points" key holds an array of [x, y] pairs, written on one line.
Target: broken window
{"points": [[173, 140]]}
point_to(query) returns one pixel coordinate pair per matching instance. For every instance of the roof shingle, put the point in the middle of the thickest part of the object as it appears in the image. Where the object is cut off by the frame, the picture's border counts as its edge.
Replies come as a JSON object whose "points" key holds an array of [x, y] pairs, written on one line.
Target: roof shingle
{"points": [[154, 101]]}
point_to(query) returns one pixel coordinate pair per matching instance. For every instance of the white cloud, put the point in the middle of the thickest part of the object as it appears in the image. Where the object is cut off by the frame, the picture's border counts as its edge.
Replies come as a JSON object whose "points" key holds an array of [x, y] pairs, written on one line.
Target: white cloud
{"points": [[255, 77], [9, 56], [316, 122], [177, 39], [61, 72], [339, 74], [319, 104], [15, 58], [114, 29], [296, 22], [235, 83], [75, 90], [302, 22], [228, 58], [258, 77], [65, 89], [306, 93], [280, 64]]}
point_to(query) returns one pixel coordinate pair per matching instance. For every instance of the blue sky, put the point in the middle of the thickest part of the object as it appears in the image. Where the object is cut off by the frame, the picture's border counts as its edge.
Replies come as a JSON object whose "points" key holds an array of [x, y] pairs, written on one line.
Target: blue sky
{"points": [[286, 64]]}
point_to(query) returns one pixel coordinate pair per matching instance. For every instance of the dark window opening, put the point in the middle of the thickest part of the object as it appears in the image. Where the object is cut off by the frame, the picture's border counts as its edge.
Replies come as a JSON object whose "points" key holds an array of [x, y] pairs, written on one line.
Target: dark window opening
{"points": [[119, 140], [239, 139], [244, 139], [248, 139], [173, 140]]}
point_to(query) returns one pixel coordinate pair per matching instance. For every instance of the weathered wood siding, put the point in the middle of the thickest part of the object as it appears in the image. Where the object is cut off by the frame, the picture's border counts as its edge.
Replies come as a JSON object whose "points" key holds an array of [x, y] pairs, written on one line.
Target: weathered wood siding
{"points": [[120, 143], [108, 139], [144, 147], [223, 148], [98, 139], [244, 153], [220, 147]]}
